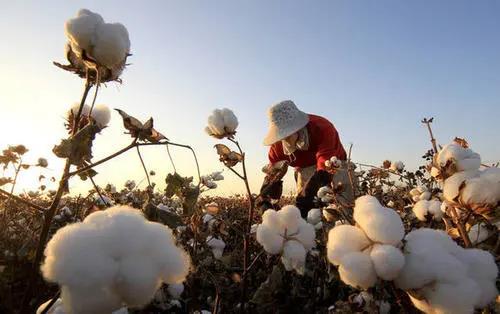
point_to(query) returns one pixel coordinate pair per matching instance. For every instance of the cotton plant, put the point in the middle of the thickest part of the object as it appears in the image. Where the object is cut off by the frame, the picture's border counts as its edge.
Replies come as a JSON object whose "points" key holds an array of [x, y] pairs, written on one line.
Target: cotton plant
{"points": [[326, 194], [333, 164], [210, 181], [369, 250], [99, 272], [286, 233], [442, 277], [96, 45]]}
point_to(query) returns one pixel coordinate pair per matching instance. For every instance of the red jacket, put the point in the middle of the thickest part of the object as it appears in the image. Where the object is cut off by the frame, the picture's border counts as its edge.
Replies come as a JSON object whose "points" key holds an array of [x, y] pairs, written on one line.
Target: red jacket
{"points": [[324, 143]]}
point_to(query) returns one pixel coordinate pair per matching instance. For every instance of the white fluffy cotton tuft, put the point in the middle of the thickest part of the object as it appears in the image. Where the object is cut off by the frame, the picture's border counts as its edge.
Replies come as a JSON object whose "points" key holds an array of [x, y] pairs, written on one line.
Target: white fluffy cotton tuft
{"points": [[113, 257], [285, 232], [451, 279], [357, 270], [387, 260], [222, 123], [422, 209], [380, 224], [108, 44]]}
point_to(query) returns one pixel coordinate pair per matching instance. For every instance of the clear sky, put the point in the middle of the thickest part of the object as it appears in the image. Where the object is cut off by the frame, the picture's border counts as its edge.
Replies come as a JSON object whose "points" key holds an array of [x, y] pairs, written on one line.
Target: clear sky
{"points": [[375, 68]]}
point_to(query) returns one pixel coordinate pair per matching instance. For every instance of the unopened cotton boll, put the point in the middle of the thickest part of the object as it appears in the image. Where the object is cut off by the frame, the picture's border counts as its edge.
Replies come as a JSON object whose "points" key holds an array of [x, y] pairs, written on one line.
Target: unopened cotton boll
{"points": [[356, 269], [88, 259], [423, 208], [380, 224], [344, 239], [387, 260], [314, 216]]}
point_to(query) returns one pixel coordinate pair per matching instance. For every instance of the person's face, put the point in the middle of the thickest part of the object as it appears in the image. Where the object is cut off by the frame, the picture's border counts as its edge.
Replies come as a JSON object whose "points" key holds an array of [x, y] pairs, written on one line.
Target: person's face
{"points": [[291, 139]]}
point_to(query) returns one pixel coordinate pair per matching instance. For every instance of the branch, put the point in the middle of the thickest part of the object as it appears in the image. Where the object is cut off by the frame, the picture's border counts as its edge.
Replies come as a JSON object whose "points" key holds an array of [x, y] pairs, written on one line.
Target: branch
{"points": [[21, 200], [143, 165]]}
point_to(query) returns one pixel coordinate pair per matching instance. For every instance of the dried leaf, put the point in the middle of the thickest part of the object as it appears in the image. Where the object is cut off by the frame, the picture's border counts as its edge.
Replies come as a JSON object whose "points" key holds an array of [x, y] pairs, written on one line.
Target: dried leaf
{"points": [[228, 157], [78, 148], [139, 130]]}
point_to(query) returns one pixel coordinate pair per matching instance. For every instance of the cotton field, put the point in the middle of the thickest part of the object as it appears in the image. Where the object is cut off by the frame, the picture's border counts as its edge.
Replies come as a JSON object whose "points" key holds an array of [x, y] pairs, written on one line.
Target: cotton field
{"points": [[410, 241]]}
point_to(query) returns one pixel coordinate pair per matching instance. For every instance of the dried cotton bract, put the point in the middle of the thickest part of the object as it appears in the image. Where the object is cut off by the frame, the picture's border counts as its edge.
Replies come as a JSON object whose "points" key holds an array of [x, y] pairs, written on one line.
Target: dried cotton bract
{"points": [[368, 250], [222, 123], [285, 232], [94, 44], [113, 257], [442, 277]]}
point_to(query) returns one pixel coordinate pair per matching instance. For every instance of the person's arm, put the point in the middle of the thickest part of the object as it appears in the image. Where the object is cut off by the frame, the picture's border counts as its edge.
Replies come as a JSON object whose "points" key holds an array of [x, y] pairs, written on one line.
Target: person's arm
{"points": [[329, 145], [272, 187]]}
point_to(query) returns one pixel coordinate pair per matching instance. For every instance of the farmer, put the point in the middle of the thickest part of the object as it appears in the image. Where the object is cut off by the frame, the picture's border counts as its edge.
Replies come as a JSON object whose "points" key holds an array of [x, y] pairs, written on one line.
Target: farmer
{"points": [[303, 141]]}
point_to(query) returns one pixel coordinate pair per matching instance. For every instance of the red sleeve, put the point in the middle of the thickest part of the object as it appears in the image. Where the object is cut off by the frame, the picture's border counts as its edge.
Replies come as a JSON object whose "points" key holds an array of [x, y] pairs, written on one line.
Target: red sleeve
{"points": [[328, 146], [274, 155]]}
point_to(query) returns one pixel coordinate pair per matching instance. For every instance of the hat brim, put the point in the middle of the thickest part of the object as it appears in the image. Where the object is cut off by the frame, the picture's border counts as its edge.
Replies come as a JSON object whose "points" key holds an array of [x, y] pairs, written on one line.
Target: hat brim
{"points": [[276, 134]]}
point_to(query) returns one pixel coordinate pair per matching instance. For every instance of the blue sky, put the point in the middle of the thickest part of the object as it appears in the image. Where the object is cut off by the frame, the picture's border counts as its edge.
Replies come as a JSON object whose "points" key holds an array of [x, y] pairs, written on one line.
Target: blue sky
{"points": [[375, 68]]}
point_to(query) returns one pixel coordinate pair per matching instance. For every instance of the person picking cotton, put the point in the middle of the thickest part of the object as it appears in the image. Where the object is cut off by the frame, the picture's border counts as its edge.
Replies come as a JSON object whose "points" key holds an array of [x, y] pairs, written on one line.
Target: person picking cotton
{"points": [[306, 142]]}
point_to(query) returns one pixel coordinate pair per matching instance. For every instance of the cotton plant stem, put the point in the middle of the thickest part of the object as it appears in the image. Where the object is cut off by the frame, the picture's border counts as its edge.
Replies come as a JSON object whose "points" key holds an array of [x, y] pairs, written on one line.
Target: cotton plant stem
{"points": [[143, 166], [98, 191], [428, 122], [460, 227]]}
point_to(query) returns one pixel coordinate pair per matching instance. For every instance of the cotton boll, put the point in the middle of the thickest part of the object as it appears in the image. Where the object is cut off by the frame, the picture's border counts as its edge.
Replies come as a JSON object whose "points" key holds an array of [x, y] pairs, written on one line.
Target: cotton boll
{"points": [[425, 195], [356, 269], [387, 260], [101, 115], [81, 31], [423, 208], [425, 239], [478, 233], [175, 290], [435, 172], [314, 216], [216, 123], [111, 45], [381, 224], [454, 298], [397, 166], [451, 187], [345, 239], [464, 158], [269, 239], [290, 218], [230, 120], [76, 106], [217, 246], [480, 190], [306, 235], [324, 191], [294, 256], [88, 259]]}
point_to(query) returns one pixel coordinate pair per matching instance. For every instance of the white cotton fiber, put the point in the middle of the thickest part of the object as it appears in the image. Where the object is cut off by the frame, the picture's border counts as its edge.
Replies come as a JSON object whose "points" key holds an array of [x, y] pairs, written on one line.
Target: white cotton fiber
{"points": [[56, 308], [478, 233], [230, 120], [98, 271], [387, 260], [111, 44], [108, 44], [217, 246], [423, 208], [356, 269], [464, 158], [380, 224], [101, 115], [344, 239], [175, 290], [294, 256], [314, 216], [283, 232], [480, 191], [452, 185]]}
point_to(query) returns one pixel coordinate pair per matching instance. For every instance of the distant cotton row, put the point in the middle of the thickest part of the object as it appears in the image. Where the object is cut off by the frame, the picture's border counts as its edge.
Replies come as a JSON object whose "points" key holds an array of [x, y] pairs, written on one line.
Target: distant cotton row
{"points": [[113, 257]]}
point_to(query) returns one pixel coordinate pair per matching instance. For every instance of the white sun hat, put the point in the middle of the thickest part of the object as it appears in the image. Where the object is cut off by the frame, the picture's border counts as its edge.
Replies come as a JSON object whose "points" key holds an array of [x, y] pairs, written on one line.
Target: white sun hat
{"points": [[284, 120]]}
